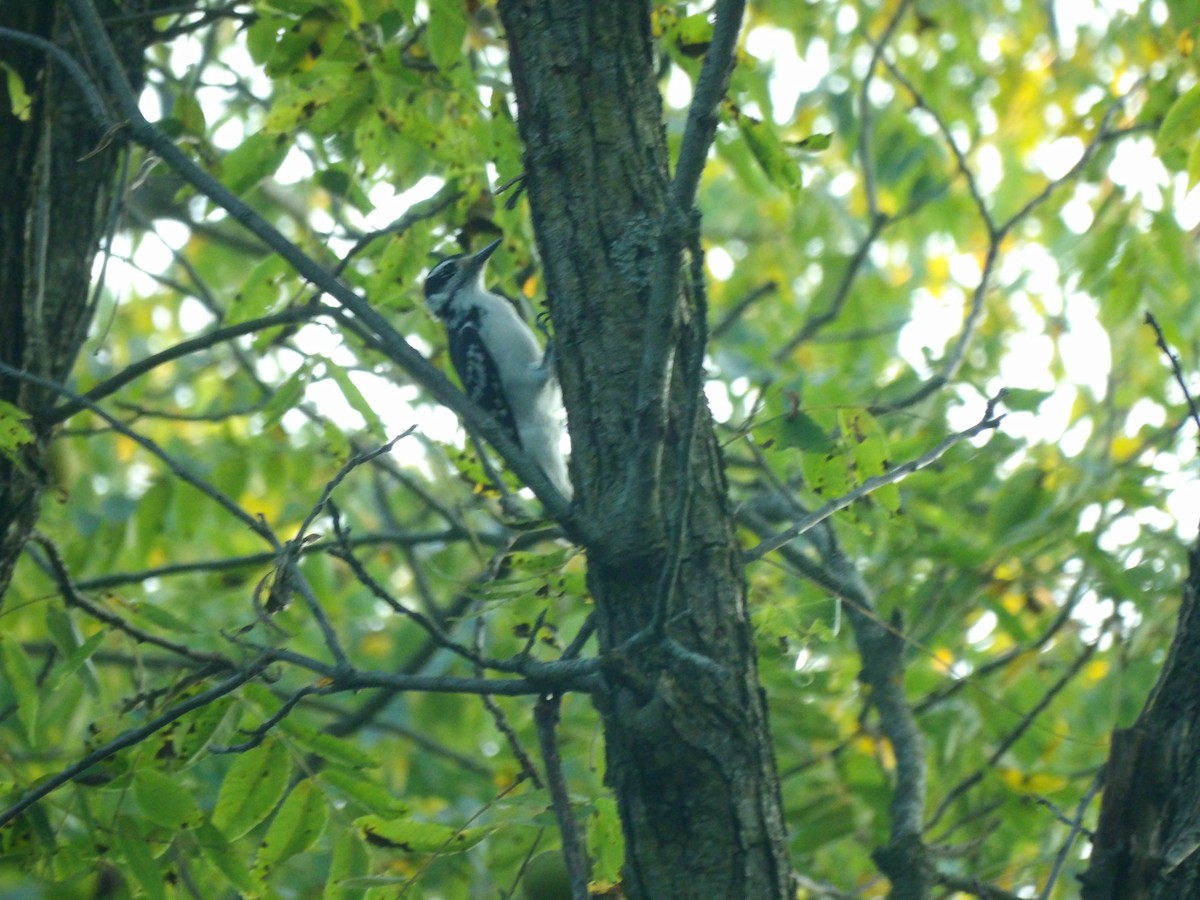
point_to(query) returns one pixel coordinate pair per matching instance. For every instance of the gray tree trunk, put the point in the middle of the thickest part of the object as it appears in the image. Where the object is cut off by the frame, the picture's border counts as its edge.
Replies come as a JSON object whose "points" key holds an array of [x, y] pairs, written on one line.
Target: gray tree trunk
{"points": [[1147, 844], [56, 176], [689, 753]]}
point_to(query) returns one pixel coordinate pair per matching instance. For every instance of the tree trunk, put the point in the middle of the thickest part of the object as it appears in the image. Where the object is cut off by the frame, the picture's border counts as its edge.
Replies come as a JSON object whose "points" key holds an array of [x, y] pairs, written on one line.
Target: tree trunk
{"points": [[57, 175], [688, 748], [1146, 844]]}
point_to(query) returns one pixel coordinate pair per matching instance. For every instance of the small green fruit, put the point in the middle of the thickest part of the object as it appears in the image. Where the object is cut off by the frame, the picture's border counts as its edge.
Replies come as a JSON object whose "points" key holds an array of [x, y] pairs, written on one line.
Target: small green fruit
{"points": [[546, 877]]}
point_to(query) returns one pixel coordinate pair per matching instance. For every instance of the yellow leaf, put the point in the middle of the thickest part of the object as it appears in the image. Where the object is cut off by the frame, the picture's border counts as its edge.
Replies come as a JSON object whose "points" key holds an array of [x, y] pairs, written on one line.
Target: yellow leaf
{"points": [[1036, 783], [1013, 601], [1095, 670], [1123, 448], [939, 270], [943, 659], [1009, 570]]}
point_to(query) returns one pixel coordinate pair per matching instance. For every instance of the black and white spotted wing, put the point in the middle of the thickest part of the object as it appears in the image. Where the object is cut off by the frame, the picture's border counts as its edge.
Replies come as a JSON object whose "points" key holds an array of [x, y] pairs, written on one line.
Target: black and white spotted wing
{"points": [[477, 371]]}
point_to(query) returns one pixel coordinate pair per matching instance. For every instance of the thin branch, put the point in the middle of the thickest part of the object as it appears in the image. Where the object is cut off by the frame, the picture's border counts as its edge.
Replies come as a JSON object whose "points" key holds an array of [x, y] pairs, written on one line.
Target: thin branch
{"points": [[1011, 738], [259, 734], [90, 95], [990, 420], [739, 309], [401, 539], [679, 222], [1102, 135], [864, 109], [256, 525], [560, 676], [959, 158], [545, 715], [711, 87], [111, 385], [524, 760], [1176, 368], [974, 887], [1076, 828], [840, 296], [427, 624], [73, 597], [135, 736]]}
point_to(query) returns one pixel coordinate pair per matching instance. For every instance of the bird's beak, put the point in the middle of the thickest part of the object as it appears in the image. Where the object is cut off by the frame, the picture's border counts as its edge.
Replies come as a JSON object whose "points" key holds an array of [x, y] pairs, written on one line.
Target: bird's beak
{"points": [[472, 265]]}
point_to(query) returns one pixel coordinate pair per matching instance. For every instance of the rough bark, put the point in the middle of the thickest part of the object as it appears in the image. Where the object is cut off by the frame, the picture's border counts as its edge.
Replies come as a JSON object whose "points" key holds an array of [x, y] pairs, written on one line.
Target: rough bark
{"points": [[1146, 844], [57, 175], [688, 748]]}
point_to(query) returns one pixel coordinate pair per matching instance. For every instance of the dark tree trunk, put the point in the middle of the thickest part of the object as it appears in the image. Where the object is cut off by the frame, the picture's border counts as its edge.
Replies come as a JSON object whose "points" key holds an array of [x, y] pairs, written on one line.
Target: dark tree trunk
{"points": [[56, 178], [689, 753], [1147, 845]]}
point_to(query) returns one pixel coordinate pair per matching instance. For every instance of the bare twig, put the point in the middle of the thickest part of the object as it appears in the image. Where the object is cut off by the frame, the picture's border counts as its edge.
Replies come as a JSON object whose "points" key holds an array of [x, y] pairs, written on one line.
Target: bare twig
{"points": [[545, 715], [819, 321], [1176, 368], [524, 760], [864, 109], [1076, 829]]}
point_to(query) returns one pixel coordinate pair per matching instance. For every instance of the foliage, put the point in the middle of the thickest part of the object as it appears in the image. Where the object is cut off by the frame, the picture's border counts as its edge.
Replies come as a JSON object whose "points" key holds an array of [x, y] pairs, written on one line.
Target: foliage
{"points": [[910, 207]]}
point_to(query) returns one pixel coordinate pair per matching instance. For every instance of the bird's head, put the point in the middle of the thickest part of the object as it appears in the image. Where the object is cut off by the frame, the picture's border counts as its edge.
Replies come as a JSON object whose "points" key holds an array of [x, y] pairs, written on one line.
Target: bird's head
{"points": [[453, 275]]}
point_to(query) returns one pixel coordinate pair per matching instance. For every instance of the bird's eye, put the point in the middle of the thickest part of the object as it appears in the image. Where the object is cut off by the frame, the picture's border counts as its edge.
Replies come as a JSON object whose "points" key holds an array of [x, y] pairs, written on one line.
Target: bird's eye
{"points": [[440, 276]]}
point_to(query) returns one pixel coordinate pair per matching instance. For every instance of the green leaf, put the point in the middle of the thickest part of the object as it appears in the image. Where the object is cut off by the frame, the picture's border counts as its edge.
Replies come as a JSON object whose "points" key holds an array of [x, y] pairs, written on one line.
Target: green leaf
{"points": [[189, 114], [78, 657], [1193, 165], [252, 787], [792, 431], [827, 473], [181, 743], [164, 800], [606, 843], [814, 143], [869, 450], [19, 100], [350, 861], [693, 34], [328, 747], [446, 33], [15, 665], [368, 794], [1024, 399], [13, 432], [288, 395], [355, 398], [261, 292], [253, 159], [410, 836], [295, 827], [769, 152], [221, 854], [141, 862], [1181, 121]]}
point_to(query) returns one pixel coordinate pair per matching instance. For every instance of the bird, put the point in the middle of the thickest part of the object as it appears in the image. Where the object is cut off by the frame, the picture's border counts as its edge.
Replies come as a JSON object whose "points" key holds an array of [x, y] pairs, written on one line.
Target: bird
{"points": [[499, 361]]}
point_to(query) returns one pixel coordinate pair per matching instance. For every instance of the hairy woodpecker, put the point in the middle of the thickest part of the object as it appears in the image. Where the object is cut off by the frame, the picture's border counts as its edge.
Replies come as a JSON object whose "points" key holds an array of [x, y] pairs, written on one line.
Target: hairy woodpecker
{"points": [[498, 360]]}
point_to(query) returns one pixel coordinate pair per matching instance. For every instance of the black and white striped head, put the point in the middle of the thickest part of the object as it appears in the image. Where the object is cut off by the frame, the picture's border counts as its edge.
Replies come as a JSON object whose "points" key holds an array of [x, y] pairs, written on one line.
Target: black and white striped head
{"points": [[453, 275]]}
